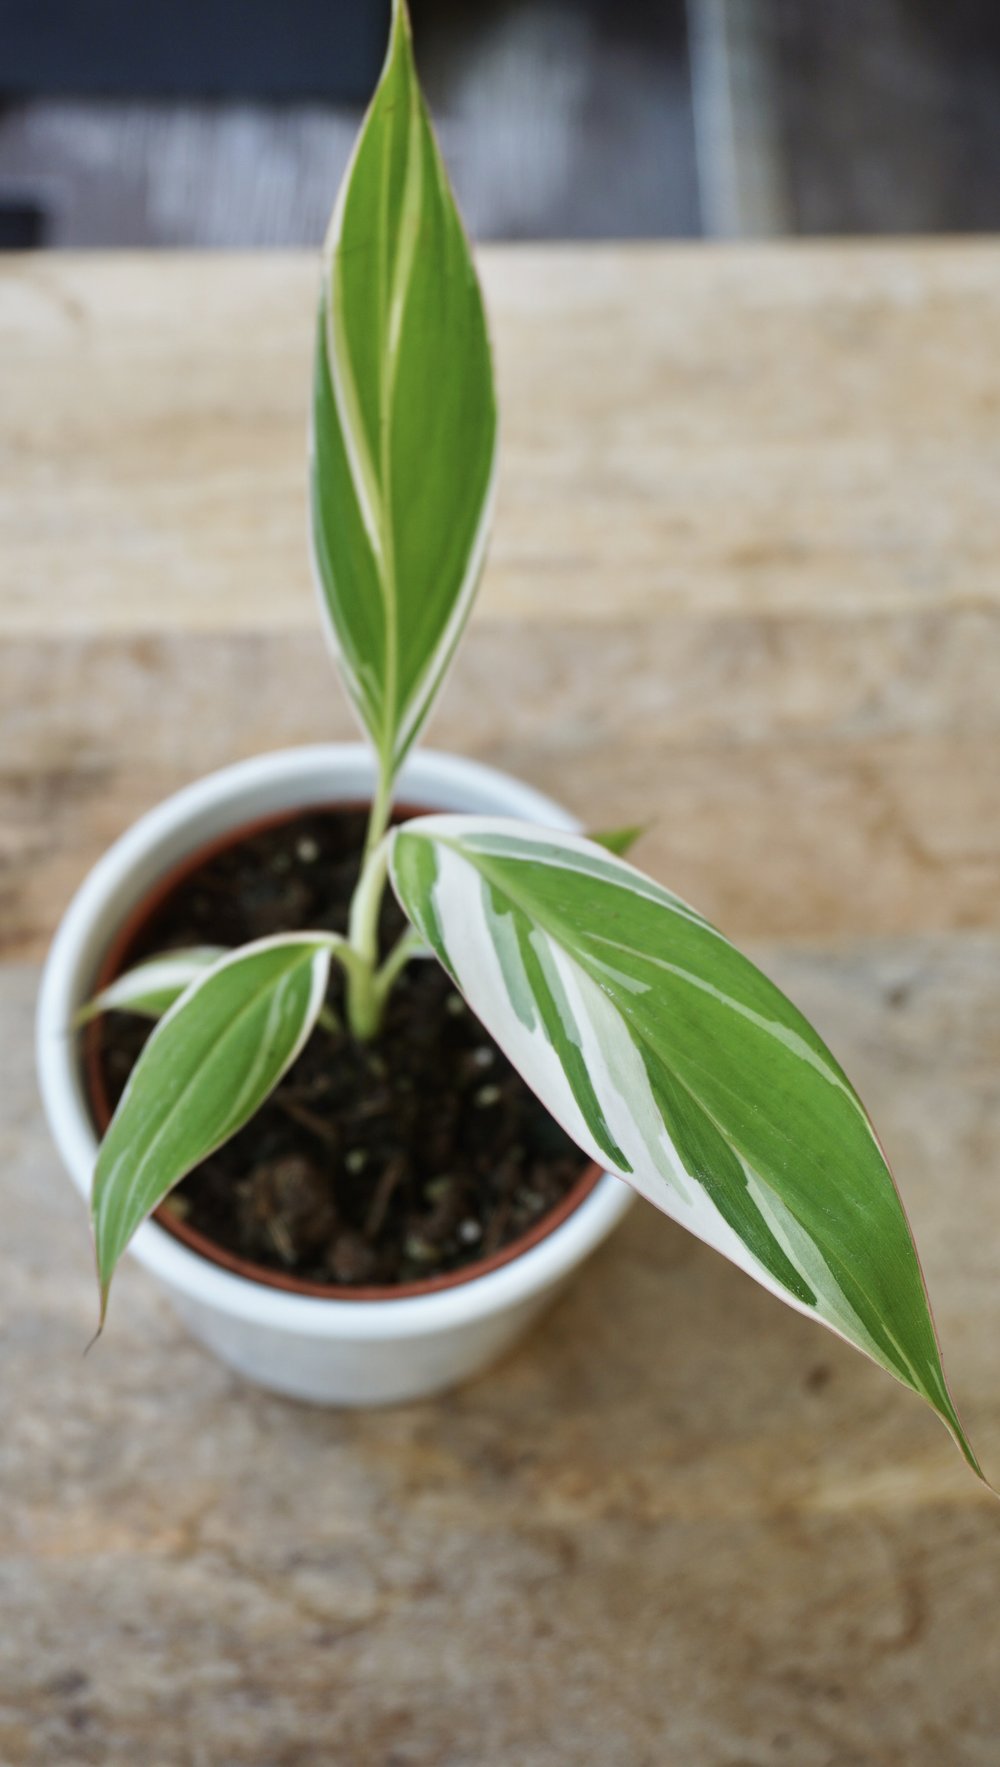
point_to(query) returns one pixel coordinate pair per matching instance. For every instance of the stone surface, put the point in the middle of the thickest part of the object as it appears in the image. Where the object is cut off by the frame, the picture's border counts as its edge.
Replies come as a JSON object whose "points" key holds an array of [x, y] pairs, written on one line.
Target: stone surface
{"points": [[680, 1524], [750, 592]]}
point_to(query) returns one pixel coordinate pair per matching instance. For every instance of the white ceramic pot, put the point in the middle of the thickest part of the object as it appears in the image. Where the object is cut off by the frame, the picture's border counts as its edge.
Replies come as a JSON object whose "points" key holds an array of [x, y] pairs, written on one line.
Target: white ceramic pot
{"points": [[348, 1352]]}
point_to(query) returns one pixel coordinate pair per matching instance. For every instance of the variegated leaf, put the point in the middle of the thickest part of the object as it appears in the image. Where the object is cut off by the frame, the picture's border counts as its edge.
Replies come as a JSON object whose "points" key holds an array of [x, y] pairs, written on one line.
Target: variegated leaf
{"points": [[152, 987], [404, 416], [208, 1066], [674, 1062]]}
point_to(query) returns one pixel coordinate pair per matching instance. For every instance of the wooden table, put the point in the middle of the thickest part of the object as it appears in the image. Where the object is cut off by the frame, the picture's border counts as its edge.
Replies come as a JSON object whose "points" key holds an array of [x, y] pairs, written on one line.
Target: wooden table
{"points": [[746, 583]]}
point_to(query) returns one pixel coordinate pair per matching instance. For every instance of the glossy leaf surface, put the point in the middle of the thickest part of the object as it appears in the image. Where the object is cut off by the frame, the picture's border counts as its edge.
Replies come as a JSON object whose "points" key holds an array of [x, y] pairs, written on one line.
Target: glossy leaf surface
{"points": [[674, 1061], [208, 1066], [404, 416], [151, 988]]}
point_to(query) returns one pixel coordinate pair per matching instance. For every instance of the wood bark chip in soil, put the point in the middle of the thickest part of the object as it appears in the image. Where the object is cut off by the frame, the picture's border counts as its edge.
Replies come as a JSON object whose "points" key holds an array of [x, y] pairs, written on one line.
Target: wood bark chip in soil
{"points": [[389, 1163]]}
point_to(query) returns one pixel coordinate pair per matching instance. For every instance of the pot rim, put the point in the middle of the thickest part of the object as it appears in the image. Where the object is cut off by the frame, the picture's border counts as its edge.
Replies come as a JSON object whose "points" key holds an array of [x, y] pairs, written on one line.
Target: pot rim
{"points": [[284, 778], [116, 958]]}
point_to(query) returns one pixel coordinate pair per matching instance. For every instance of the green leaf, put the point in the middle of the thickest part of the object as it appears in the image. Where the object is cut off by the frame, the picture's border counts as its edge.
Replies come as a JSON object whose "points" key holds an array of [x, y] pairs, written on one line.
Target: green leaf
{"points": [[678, 1065], [152, 987], [619, 840], [404, 416], [208, 1066]]}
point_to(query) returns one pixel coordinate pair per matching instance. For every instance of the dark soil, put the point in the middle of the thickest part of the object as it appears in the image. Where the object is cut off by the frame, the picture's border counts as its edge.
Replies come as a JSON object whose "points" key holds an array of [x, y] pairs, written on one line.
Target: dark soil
{"points": [[390, 1162]]}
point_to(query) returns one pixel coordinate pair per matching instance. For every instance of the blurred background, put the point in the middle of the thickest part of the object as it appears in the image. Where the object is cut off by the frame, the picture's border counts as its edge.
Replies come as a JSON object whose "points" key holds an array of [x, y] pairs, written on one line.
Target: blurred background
{"points": [[227, 122]]}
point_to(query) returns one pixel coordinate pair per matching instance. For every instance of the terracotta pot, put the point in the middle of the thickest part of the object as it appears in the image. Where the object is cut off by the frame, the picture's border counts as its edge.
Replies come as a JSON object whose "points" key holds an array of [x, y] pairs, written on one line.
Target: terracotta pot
{"points": [[333, 1345]]}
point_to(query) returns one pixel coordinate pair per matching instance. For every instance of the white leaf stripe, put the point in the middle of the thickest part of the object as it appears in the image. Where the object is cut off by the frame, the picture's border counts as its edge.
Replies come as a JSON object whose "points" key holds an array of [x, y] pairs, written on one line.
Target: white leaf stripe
{"points": [[154, 985], [784, 1033], [320, 965], [363, 333], [436, 667], [626, 1081], [651, 1160], [638, 1121], [501, 837], [338, 362], [536, 991], [505, 838], [841, 1253], [140, 1158], [338, 367], [409, 228], [347, 647]]}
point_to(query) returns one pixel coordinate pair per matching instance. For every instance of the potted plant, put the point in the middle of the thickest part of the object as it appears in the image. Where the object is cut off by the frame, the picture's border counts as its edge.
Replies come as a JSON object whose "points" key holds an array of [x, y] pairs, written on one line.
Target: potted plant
{"points": [[411, 1063]]}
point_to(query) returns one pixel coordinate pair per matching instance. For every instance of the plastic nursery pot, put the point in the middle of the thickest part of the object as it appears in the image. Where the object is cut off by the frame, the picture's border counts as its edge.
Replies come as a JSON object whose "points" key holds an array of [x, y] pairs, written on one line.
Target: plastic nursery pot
{"points": [[335, 1347]]}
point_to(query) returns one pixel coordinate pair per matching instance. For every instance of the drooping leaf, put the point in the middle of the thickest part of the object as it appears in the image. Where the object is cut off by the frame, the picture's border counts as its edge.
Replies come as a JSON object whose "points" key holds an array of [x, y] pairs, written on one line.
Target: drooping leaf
{"points": [[208, 1066], [404, 415], [672, 1060], [618, 840], [152, 986]]}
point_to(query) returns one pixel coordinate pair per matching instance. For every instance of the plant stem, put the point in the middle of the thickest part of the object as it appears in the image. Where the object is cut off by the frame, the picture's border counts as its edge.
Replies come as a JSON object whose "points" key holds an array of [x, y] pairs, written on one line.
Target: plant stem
{"points": [[364, 1003], [362, 932], [378, 816], [408, 945], [367, 984]]}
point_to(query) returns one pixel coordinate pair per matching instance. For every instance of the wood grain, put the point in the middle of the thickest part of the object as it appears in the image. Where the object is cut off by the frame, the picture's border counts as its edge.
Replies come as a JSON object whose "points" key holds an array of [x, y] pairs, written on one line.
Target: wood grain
{"points": [[746, 584]]}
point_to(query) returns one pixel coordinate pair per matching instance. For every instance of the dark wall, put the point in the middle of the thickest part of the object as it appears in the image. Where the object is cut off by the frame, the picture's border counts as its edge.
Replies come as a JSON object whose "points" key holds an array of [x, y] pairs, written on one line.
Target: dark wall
{"points": [[192, 48]]}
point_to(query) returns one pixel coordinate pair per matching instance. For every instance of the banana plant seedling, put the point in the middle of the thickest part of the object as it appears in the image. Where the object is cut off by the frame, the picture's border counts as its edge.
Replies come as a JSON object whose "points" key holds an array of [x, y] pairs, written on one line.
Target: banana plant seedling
{"points": [[665, 1054]]}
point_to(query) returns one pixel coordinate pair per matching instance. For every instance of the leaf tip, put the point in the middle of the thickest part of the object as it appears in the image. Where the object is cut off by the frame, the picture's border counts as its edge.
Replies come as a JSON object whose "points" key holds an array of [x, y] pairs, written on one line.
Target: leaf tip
{"points": [[957, 1431], [620, 841], [101, 1318]]}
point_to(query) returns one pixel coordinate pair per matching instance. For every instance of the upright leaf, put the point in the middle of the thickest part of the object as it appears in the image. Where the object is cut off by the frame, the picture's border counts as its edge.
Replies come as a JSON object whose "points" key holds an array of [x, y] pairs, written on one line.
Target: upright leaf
{"points": [[208, 1066], [404, 415], [678, 1065]]}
